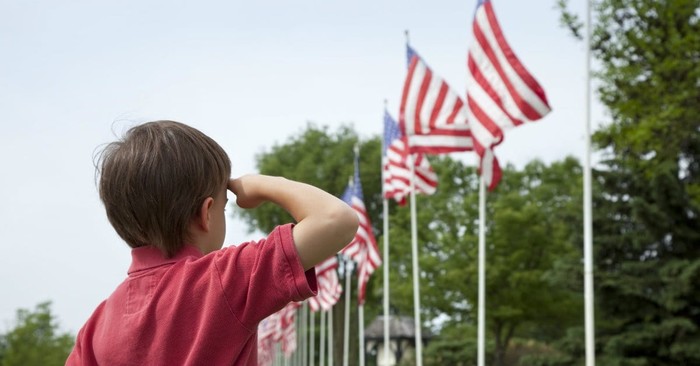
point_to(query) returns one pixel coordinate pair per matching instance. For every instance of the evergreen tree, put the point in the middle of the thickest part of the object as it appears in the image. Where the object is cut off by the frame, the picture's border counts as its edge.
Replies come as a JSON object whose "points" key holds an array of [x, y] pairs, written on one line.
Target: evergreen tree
{"points": [[646, 214]]}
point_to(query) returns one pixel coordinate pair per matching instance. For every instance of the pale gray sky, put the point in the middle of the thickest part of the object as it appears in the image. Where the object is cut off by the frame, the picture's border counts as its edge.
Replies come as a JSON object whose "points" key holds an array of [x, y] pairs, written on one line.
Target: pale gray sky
{"points": [[249, 74]]}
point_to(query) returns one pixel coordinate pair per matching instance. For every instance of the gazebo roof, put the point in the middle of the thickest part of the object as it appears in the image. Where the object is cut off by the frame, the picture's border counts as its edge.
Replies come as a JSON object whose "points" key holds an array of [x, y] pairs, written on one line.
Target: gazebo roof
{"points": [[400, 327]]}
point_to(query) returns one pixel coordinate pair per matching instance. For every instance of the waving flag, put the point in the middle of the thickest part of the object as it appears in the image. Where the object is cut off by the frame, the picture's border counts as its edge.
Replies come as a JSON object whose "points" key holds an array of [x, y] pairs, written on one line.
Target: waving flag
{"points": [[269, 332], [501, 93], [432, 115], [397, 174], [289, 329], [363, 248], [329, 289]]}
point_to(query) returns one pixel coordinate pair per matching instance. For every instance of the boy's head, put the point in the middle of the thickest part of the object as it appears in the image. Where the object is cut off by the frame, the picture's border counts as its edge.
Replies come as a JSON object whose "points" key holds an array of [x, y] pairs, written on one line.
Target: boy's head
{"points": [[156, 179]]}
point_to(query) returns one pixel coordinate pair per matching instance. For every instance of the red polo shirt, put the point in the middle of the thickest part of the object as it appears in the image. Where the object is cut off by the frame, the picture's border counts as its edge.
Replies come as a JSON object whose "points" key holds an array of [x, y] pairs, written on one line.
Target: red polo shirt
{"points": [[193, 309]]}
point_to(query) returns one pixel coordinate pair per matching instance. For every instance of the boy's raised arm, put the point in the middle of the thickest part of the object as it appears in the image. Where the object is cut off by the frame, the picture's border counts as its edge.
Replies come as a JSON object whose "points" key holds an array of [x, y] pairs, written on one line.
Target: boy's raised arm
{"points": [[325, 224]]}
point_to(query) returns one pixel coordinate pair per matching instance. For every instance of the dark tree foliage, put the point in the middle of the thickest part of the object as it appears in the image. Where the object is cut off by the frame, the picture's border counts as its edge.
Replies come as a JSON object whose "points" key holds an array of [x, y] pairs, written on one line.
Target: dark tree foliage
{"points": [[532, 225], [646, 215]]}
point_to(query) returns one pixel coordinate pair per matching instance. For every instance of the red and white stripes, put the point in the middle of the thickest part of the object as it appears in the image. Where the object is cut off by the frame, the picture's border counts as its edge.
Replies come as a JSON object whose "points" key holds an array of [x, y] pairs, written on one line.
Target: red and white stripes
{"points": [[363, 249], [329, 288], [432, 115], [396, 169], [501, 93]]}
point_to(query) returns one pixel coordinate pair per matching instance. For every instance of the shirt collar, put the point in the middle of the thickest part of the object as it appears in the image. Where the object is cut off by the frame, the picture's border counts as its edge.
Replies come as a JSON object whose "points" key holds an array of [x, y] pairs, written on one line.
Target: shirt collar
{"points": [[150, 257]]}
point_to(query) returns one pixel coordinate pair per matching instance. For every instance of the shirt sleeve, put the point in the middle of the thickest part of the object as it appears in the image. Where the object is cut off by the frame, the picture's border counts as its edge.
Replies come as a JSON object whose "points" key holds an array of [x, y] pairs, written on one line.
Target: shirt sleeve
{"points": [[83, 353], [259, 279]]}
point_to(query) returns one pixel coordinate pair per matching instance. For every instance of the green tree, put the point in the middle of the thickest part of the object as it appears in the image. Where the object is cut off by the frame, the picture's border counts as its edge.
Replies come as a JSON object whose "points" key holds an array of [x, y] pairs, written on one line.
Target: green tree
{"points": [[324, 159], [35, 340], [455, 346], [531, 227], [647, 212], [533, 221]]}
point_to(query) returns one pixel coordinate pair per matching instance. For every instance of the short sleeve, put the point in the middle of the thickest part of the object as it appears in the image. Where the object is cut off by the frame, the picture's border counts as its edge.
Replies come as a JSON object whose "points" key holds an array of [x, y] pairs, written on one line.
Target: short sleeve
{"points": [[258, 279]]}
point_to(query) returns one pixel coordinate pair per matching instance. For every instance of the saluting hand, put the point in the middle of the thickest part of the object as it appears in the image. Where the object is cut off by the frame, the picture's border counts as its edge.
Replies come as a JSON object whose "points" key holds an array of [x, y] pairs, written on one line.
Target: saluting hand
{"points": [[245, 189]]}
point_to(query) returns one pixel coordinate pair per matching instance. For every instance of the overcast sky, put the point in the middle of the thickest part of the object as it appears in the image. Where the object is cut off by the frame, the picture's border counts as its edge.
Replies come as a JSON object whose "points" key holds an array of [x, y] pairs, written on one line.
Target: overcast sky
{"points": [[74, 74]]}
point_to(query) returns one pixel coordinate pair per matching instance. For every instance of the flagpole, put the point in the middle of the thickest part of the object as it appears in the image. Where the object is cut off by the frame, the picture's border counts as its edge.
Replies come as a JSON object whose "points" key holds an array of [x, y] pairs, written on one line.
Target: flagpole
{"points": [[385, 214], [322, 340], [348, 266], [361, 332], [330, 337], [278, 354], [346, 323], [588, 208], [414, 252], [297, 335], [299, 338], [385, 204], [305, 334], [312, 336], [482, 274]]}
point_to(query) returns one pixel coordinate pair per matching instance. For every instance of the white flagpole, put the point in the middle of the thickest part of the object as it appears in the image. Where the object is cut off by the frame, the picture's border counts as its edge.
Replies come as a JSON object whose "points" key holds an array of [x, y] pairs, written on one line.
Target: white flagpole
{"points": [[312, 336], [414, 251], [346, 323], [385, 206], [385, 203], [299, 337], [361, 319], [294, 356], [588, 208], [274, 355], [305, 334], [330, 337], [482, 274], [278, 354], [322, 340]]}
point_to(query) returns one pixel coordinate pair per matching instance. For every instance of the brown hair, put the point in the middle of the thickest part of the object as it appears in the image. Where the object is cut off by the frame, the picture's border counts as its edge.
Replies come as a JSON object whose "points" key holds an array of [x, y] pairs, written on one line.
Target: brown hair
{"points": [[154, 180]]}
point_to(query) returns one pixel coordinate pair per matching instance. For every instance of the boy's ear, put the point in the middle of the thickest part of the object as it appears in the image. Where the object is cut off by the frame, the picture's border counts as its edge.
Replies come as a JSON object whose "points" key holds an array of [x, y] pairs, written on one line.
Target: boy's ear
{"points": [[205, 214]]}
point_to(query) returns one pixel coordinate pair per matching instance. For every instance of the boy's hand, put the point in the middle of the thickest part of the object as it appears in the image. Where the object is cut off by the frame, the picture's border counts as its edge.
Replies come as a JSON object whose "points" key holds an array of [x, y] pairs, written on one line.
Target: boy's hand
{"points": [[244, 189]]}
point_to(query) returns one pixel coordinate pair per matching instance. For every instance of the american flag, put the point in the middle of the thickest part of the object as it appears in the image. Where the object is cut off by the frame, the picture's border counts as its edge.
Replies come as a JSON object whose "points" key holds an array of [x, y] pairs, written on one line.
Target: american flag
{"points": [[289, 329], [395, 162], [329, 289], [432, 115], [266, 352], [269, 332], [363, 248], [279, 327], [501, 93]]}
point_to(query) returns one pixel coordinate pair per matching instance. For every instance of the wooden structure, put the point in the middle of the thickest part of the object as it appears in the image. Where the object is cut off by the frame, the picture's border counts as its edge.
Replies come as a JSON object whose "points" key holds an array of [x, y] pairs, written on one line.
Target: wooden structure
{"points": [[401, 336]]}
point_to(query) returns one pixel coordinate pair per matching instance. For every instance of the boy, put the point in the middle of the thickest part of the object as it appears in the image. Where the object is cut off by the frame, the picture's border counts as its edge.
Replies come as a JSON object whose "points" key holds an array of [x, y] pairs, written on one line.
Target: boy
{"points": [[187, 301]]}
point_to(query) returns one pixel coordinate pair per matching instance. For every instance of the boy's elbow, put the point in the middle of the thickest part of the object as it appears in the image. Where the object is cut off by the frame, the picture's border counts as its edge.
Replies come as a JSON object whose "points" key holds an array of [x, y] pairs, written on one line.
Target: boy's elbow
{"points": [[348, 223]]}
